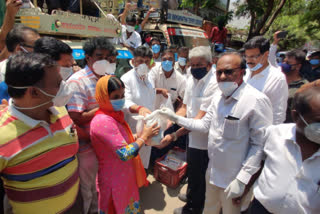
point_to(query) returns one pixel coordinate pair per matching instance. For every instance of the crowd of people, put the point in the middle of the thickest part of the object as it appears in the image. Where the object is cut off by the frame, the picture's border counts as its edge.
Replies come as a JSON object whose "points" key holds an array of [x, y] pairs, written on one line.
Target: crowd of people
{"points": [[69, 141]]}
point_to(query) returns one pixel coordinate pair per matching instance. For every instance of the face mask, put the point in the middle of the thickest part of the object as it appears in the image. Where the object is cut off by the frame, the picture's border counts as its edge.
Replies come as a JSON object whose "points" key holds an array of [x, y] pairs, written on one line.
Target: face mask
{"points": [[66, 72], [117, 105], [167, 65], [175, 57], [199, 73], [286, 68], [314, 61], [227, 88], [182, 61], [62, 97], [155, 48], [130, 29], [311, 131], [142, 70], [136, 27], [103, 67], [214, 67], [148, 40], [257, 67]]}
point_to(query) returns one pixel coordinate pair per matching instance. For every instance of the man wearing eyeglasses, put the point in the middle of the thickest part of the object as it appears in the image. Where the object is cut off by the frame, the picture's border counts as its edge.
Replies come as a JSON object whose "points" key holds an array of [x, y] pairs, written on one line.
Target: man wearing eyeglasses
{"points": [[236, 121], [265, 77]]}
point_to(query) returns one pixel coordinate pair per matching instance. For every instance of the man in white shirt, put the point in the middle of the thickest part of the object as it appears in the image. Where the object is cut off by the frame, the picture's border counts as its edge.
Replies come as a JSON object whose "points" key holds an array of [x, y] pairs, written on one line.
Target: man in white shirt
{"points": [[166, 80], [200, 89], [236, 121], [156, 49], [265, 77], [130, 38], [139, 93], [181, 64], [290, 179]]}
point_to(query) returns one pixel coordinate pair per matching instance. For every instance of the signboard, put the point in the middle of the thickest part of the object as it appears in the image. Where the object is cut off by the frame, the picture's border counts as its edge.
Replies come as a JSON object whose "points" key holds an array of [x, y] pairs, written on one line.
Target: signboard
{"points": [[78, 54], [65, 23], [184, 17], [222, 4], [186, 32]]}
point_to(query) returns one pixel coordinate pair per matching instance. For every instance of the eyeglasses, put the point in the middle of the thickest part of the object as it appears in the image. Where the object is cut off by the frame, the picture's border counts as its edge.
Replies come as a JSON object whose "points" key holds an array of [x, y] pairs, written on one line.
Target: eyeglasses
{"points": [[253, 57], [227, 72]]}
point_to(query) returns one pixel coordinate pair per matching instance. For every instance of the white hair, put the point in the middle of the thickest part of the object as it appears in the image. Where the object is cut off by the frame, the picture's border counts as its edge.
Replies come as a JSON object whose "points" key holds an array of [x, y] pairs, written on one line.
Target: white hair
{"points": [[201, 51]]}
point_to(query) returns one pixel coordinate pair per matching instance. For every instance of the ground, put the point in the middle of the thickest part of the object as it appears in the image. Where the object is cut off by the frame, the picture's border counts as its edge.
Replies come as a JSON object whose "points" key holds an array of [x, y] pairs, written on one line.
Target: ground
{"points": [[158, 198]]}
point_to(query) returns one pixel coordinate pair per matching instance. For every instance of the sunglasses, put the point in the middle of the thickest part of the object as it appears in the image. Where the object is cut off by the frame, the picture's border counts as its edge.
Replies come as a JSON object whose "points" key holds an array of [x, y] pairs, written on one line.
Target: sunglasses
{"points": [[227, 71]]}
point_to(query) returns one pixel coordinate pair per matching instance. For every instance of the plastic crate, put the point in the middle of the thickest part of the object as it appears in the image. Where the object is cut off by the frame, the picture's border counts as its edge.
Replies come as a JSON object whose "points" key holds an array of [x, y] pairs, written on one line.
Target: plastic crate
{"points": [[168, 176]]}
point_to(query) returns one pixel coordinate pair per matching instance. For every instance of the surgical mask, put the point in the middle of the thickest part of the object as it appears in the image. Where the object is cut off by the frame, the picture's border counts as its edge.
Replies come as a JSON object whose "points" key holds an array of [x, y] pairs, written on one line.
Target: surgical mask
{"points": [[130, 29], [314, 61], [214, 67], [257, 67], [155, 48], [62, 97], [167, 65], [227, 88], [103, 67], [142, 70], [311, 131], [117, 105], [66, 72], [199, 73], [286, 68], [175, 56], [148, 40], [182, 61]]}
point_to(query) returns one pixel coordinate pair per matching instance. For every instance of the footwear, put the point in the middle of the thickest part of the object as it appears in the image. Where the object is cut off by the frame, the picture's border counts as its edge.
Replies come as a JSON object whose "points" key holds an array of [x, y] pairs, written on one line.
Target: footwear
{"points": [[182, 197]]}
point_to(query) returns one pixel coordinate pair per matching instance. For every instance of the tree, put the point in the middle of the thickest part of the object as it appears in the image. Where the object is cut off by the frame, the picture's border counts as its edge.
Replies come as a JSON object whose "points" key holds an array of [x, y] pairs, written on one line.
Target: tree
{"points": [[198, 4], [262, 13]]}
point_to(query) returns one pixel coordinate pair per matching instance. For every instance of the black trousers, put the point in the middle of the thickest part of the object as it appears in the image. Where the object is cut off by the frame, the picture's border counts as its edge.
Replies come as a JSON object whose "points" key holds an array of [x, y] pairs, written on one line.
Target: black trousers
{"points": [[257, 208], [197, 166]]}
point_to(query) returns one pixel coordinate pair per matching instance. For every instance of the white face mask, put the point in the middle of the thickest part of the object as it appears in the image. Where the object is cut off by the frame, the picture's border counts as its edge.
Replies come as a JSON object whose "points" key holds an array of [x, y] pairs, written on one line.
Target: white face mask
{"points": [[103, 67], [130, 28], [311, 131], [62, 97], [142, 70], [227, 88], [66, 72]]}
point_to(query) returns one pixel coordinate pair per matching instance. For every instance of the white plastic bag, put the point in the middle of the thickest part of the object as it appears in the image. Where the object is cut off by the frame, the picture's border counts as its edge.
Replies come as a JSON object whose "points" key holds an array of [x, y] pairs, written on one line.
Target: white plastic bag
{"points": [[153, 118]]}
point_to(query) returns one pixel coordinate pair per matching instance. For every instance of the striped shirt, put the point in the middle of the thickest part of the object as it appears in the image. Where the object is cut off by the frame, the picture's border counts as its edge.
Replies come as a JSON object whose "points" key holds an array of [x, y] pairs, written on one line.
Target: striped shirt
{"points": [[38, 165], [84, 85]]}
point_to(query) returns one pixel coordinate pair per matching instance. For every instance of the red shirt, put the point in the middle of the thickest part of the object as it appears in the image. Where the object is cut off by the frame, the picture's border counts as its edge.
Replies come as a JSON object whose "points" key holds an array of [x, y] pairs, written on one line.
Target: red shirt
{"points": [[218, 36]]}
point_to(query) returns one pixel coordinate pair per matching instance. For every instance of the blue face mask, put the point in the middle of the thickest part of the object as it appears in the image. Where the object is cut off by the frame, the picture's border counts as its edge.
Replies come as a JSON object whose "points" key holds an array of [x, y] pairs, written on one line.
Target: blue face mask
{"points": [[182, 61], [117, 105], [167, 65], [214, 66], [156, 48], [314, 61], [175, 56], [255, 68]]}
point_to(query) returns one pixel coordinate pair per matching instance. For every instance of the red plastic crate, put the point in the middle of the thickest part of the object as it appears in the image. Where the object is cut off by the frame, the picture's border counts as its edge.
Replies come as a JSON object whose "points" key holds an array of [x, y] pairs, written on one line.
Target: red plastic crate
{"points": [[168, 176]]}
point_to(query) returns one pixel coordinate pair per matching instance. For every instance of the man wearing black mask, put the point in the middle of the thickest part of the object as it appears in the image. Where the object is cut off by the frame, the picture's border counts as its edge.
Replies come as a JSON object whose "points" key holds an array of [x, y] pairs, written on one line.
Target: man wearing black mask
{"points": [[295, 60], [200, 89]]}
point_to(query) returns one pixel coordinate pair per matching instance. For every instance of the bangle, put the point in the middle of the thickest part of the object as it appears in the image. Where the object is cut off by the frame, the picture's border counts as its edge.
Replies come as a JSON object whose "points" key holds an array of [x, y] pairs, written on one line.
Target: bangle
{"points": [[175, 137], [138, 109], [143, 141]]}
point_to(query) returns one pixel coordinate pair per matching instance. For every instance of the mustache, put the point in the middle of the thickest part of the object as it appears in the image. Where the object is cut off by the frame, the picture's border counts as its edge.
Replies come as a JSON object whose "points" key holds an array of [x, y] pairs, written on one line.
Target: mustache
{"points": [[250, 63]]}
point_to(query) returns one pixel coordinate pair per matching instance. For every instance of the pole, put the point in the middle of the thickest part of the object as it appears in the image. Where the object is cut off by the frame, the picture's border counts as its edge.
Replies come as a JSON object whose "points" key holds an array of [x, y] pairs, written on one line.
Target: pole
{"points": [[35, 3], [81, 7]]}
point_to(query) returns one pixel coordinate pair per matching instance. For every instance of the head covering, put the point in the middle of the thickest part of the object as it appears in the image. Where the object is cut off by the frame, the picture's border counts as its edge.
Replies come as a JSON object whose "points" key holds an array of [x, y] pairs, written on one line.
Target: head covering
{"points": [[105, 107]]}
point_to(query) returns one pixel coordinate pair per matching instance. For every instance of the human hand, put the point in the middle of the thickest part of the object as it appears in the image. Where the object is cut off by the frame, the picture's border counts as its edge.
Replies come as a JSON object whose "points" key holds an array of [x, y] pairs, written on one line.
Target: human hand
{"points": [[13, 7], [152, 10], [149, 132], [4, 104], [165, 141], [235, 189], [276, 40], [164, 92], [144, 111], [169, 114]]}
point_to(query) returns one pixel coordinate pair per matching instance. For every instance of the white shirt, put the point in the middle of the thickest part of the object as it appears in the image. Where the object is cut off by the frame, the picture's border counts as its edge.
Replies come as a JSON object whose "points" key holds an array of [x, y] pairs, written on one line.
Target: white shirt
{"points": [[287, 184], [198, 96], [138, 92], [3, 66], [272, 82], [236, 128], [133, 41], [175, 84]]}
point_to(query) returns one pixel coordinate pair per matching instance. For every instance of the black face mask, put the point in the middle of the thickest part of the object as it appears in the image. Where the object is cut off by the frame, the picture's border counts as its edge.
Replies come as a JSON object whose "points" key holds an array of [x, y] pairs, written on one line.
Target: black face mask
{"points": [[199, 73]]}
